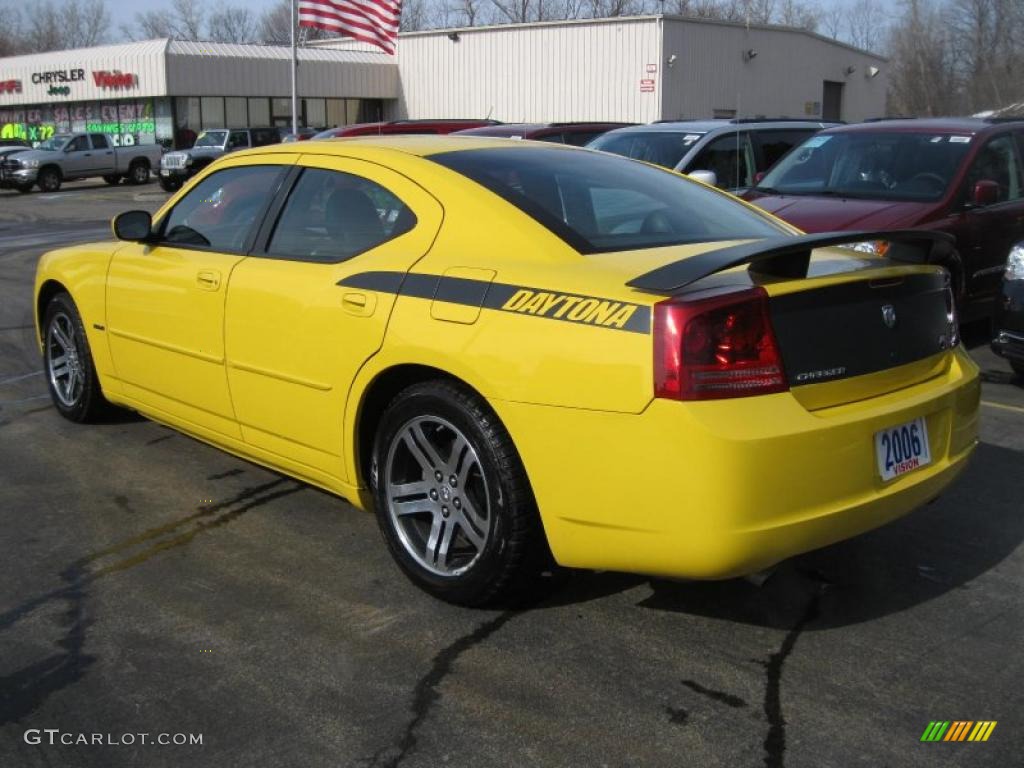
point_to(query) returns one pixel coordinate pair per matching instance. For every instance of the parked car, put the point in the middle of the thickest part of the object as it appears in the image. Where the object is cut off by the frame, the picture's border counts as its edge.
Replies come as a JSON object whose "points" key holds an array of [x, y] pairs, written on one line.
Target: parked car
{"points": [[436, 127], [304, 134], [178, 167], [70, 156], [724, 153], [463, 334], [576, 134], [1008, 322], [964, 176]]}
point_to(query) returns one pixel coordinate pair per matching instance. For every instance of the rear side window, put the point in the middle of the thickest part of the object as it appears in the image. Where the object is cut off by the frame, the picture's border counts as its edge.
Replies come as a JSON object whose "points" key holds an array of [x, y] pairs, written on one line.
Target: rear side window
{"points": [[263, 137], [238, 140], [665, 148], [219, 213], [774, 144], [99, 141], [598, 202], [332, 216]]}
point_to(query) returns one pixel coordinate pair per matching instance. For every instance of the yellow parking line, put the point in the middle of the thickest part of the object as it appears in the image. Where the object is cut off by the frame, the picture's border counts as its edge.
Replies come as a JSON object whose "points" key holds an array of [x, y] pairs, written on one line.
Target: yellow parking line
{"points": [[1003, 406]]}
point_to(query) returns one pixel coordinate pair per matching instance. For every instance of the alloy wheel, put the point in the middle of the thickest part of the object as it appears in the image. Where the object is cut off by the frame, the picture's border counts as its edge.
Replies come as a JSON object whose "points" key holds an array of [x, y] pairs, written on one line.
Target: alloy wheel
{"points": [[437, 496], [63, 364]]}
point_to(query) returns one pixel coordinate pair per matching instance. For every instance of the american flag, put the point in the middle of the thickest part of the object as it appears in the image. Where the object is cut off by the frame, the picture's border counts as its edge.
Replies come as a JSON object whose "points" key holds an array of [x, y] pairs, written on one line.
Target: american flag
{"points": [[371, 21]]}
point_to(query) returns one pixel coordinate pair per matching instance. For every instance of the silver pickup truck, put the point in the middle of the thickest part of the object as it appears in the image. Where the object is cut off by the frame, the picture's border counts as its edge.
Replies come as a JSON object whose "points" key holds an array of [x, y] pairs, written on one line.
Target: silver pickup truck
{"points": [[69, 156]]}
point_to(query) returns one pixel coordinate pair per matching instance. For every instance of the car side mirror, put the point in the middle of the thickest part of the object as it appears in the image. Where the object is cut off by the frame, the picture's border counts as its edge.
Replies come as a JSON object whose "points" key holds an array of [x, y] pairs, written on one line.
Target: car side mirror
{"points": [[985, 192], [708, 177], [134, 226]]}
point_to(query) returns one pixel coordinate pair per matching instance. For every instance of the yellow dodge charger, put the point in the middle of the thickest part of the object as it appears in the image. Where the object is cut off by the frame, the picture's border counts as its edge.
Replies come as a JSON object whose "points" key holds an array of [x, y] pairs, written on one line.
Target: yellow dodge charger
{"points": [[515, 351]]}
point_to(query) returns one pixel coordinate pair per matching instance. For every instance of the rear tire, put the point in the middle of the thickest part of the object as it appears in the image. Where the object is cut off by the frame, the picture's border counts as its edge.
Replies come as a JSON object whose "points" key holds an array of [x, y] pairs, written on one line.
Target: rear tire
{"points": [[138, 173], [452, 497], [68, 365], [112, 180]]}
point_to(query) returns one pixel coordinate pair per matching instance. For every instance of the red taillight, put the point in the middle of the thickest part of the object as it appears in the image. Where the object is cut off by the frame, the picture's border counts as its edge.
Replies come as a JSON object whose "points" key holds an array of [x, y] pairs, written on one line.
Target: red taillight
{"points": [[722, 346]]}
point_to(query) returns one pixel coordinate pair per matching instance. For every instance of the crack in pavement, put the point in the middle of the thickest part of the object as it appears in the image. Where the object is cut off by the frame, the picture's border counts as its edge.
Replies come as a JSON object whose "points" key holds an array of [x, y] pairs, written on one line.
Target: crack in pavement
{"points": [[426, 694], [22, 692], [775, 739], [725, 698]]}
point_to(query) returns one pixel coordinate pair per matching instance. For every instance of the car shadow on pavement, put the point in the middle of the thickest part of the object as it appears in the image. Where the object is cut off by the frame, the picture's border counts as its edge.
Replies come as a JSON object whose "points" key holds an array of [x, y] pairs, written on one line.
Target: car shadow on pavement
{"points": [[938, 548]]}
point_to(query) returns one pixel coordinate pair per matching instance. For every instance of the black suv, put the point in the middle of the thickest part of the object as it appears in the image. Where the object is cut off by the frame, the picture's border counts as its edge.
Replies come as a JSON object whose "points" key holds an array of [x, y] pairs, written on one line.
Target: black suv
{"points": [[178, 167]]}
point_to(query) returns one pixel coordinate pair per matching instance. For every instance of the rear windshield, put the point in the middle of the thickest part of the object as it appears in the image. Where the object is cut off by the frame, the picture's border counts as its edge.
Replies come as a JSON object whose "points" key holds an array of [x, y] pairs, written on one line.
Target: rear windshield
{"points": [[598, 202], [665, 148], [211, 139], [876, 166]]}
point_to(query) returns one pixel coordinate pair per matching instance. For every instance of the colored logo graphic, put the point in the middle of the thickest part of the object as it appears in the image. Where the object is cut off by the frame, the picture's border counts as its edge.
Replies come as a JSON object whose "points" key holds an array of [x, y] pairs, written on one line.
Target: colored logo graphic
{"points": [[958, 730]]}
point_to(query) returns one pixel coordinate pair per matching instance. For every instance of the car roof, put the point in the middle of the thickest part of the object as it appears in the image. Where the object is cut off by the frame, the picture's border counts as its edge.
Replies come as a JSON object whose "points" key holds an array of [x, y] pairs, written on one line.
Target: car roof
{"points": [[519, 129], [410, 144], [925, 125], [709, 126]]}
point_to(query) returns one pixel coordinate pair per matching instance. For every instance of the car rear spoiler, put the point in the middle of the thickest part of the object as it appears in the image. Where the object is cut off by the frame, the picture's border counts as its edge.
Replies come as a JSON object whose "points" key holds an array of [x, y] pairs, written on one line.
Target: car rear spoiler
{"points": [[790, 257]]}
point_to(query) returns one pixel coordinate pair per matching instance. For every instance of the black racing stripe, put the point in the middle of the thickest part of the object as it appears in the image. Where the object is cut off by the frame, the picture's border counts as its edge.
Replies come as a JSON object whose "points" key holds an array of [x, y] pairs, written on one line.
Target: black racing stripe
{"points": [[497, 296]]}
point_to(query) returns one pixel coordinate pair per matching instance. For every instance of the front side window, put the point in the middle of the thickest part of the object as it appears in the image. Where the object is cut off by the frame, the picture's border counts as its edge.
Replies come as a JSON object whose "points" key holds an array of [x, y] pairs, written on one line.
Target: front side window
{"points": [[664, 148], [730, 158], [598, 202], [78, 144], [876, 166], [332, 216], [220, 212], [998, 161], [238, 140]]}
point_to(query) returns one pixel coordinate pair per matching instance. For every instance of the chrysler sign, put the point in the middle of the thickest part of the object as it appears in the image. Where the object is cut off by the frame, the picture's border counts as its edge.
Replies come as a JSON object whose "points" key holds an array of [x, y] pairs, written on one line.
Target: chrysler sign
{"points": [[58, 76]]}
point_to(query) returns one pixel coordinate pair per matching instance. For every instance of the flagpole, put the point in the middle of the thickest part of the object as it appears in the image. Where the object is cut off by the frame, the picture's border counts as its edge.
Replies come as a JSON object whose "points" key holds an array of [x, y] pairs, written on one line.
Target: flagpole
{"points": [[295, 68]]}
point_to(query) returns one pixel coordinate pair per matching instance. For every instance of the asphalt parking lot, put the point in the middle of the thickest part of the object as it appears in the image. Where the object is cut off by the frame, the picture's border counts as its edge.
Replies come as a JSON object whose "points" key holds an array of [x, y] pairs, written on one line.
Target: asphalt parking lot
{"points": [[151, 584]]}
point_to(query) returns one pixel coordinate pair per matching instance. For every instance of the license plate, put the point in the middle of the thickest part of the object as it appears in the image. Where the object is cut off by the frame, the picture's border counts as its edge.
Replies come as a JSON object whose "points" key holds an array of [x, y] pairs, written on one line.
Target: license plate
{"points": [[902, 449], [164, 172]]}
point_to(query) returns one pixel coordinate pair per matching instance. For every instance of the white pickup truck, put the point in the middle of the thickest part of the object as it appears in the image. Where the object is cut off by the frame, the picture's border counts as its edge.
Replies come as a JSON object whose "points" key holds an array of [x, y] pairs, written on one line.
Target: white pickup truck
{"points": [[68, 156]]}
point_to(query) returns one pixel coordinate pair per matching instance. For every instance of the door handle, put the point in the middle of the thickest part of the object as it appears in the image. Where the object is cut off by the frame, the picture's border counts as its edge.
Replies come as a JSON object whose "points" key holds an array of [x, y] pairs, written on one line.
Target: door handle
{"points": [[208, 279], [359, 304]]}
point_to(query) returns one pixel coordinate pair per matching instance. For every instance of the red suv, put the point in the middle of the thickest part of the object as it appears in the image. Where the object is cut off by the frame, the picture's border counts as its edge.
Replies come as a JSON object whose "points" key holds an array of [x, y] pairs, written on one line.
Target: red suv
{"points": [[402, 127], [964, 176], [576, 134]]}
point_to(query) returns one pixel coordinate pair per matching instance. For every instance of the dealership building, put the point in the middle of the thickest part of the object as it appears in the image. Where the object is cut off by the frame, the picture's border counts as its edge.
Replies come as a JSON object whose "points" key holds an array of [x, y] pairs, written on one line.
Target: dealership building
{"points": [[636, 69]]}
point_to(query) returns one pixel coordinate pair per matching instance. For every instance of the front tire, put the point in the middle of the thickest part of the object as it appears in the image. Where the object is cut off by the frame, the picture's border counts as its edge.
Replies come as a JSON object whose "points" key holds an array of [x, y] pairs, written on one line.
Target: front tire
{"points": [[49, 180], [169, 186], [68, 365], [452, 498]]}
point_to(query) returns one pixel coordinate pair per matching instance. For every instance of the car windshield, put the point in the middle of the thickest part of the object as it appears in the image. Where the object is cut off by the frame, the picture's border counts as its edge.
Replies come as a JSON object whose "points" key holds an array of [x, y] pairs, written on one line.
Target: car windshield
{"points": [[598, 202], [211, 139], [55, 143], [874, 166], [665, 148]]}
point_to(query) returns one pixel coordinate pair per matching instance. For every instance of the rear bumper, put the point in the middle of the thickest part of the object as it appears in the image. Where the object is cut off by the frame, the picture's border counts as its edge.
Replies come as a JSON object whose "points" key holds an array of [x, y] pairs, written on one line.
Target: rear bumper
{"points": [[716, 489]]}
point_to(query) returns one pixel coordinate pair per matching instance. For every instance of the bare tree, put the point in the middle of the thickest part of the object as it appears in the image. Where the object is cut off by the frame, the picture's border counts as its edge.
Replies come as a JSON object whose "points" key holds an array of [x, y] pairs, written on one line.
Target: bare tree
{"points": [[866, 24], [11, 36], [275, 24], [232, 24]]}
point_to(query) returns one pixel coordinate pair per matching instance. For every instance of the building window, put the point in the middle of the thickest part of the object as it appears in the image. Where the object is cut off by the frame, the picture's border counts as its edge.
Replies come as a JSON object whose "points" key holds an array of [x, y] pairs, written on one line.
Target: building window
{"points": [[336, 116], [213, 112], [259, 112], [316, 113], [236, 112]]}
